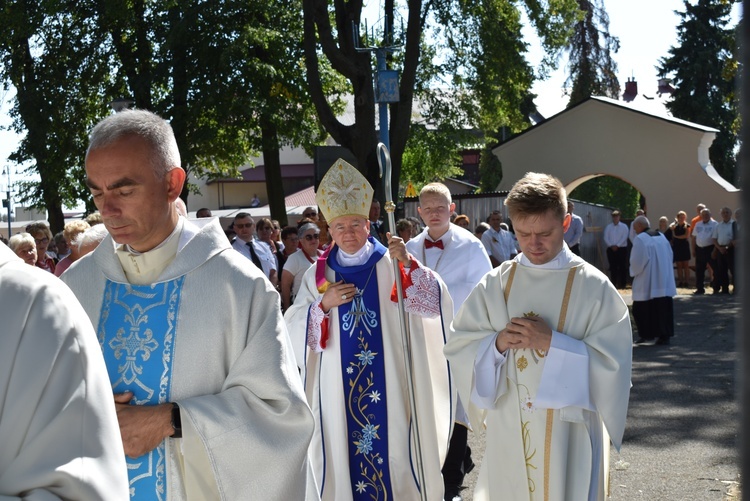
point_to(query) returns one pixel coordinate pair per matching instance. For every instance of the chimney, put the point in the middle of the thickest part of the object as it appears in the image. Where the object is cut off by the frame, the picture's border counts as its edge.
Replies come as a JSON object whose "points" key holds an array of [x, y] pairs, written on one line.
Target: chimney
{"points": [[631, 89]]}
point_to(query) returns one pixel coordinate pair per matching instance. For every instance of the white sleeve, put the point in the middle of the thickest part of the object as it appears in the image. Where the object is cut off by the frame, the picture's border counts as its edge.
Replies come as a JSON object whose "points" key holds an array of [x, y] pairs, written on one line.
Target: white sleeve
{"points": [[565, 377], [489, 380], [638, 258]]}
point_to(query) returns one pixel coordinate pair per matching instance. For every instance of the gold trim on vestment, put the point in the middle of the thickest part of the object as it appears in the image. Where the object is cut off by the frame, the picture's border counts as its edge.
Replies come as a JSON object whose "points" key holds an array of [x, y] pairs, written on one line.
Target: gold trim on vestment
{"points": [[548, 432], [510, 281], [560, 327]]}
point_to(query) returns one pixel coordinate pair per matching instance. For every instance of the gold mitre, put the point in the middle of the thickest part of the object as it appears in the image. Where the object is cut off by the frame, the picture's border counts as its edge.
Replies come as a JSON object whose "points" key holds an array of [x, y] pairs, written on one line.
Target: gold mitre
{"points": [[344, 191]]}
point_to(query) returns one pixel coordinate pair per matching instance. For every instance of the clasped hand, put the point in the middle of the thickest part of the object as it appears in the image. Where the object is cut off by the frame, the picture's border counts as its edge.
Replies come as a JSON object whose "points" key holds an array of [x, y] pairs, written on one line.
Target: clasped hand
{"points": [[524, 332]]}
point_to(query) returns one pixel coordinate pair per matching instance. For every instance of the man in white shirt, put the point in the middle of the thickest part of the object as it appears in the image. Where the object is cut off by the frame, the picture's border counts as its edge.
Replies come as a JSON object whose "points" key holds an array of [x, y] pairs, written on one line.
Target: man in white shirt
{"points": [[254, 250], [724, 236], [653, 283], [703, 244], [497, 241], [461, 261], [542, 348], [616, 240]]}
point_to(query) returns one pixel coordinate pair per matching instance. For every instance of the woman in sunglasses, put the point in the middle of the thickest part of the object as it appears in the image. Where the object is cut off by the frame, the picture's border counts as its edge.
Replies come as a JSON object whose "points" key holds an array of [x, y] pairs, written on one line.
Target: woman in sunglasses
{"points": [[298, 263], [42, 237]]}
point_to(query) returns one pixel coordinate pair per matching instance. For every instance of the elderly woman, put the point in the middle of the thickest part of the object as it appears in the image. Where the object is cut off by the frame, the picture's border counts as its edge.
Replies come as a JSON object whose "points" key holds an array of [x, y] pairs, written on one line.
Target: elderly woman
{"points": [[71, 233], [42, 237], [298, 263], [24, 246]]}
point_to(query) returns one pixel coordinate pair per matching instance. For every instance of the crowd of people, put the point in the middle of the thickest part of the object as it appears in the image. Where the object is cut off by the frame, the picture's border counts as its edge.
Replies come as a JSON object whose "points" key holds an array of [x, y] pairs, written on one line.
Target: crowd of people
{"points": [[326, 360], [710, 242]]}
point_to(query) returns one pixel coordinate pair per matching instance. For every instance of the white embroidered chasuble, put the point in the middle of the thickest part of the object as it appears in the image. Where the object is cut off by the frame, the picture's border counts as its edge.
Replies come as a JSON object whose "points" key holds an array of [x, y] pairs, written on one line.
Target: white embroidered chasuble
{"points": [[546, 435], [246, 425], [322, 376]]}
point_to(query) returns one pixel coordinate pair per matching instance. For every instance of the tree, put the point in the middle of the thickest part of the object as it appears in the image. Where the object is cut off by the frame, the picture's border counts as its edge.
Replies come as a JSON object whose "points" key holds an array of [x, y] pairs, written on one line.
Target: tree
{"points": [[478, 57], [49, 54], [428, 157], [703, 70], [591, 69], [228, 74]]}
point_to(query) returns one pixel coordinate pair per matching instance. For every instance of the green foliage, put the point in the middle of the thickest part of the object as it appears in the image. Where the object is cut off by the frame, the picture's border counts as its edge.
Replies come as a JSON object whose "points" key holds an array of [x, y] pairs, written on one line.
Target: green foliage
{"points": [[611, 192], [51, 52], [428, 158], [490, 171], [219, 71], [704, 70], [482, 50], [591, 69], [461, 60]]}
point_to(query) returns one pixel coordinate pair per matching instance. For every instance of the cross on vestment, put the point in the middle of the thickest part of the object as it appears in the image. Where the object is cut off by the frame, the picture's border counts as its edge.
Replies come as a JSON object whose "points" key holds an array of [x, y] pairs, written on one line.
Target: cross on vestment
{"points": [[132, 345]]}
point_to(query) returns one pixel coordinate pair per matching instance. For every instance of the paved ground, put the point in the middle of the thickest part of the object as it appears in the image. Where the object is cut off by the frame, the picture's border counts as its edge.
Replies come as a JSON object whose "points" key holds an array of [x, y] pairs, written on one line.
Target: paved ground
{"points": [[681, 437]]}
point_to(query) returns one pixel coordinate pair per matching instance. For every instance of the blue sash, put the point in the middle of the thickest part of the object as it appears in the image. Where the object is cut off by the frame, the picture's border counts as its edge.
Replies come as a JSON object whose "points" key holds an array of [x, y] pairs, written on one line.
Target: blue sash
{"points": [[136, 332], [363, 374]]}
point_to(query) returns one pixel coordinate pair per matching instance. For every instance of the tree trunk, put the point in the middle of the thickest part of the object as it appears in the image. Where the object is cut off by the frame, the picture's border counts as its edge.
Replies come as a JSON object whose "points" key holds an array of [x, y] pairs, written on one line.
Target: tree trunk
{"points": [[180, 88], [272, 168]]}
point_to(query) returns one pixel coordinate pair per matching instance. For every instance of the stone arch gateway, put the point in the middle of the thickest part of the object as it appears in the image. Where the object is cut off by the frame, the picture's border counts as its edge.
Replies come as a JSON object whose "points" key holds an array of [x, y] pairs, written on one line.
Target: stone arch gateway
{"points": [[664, 158]]}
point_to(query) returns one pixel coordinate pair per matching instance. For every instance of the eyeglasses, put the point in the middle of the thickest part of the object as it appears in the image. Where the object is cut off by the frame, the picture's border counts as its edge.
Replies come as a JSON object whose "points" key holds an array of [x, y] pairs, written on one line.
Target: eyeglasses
{"points": [[243, 225], [309, 214], [41, 241], [310, 238]]}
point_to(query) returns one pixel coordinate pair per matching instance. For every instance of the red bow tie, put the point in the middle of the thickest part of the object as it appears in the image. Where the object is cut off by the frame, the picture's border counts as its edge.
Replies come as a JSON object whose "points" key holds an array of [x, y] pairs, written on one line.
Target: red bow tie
{"points": [[429, 244]]}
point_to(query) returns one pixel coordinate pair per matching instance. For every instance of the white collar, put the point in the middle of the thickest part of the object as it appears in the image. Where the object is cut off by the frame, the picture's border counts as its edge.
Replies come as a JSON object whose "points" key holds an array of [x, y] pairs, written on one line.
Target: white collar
{"points": [[561, 261], [358, 258], [177, 229]]}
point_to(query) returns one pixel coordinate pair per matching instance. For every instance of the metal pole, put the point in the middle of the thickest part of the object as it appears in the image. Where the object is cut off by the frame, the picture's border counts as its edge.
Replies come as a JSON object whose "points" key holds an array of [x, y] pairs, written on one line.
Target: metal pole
{"points": [[742, 258], [9, 234], [384, 160], [383, 118], [7, 169]]}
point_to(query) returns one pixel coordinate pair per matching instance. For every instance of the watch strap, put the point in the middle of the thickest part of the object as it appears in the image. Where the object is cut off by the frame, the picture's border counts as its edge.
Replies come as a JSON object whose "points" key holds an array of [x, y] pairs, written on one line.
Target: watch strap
{"points": [[176, 421]]}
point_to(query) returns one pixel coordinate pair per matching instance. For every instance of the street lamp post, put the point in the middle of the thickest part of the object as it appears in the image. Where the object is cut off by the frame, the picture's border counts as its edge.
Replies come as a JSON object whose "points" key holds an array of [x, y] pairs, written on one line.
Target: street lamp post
{"points": [[7, 171]]}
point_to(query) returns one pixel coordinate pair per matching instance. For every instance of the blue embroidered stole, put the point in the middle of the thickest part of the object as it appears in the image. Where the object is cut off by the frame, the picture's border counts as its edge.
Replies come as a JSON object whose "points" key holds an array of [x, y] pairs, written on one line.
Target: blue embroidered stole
{"points": [[136, 332], [363, 374]]}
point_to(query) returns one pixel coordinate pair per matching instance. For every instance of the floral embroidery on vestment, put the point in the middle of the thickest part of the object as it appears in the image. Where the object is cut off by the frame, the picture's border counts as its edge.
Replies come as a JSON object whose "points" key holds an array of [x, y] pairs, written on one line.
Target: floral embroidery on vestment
{"points": [[423, 295]]}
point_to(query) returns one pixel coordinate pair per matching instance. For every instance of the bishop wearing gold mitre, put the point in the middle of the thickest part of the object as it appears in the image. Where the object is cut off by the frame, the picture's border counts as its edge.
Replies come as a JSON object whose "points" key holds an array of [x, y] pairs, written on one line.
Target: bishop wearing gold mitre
{"points": [[346, 334]]}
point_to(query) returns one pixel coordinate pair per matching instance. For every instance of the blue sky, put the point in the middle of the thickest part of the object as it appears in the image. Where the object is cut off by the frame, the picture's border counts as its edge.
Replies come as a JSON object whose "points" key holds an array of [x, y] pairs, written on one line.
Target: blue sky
{"points": [[646, 29]]}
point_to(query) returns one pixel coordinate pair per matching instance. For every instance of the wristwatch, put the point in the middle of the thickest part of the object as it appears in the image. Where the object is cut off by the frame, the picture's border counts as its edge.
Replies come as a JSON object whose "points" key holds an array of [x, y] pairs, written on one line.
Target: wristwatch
{"points": [[176, 421]]}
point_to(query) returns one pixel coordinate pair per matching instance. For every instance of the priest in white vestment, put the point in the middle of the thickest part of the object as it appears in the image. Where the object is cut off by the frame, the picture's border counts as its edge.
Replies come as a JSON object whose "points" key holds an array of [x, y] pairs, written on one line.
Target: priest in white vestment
{"points": [[209, 400], [542, 348], [58, 430], [345, 330], [652, 269]]}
